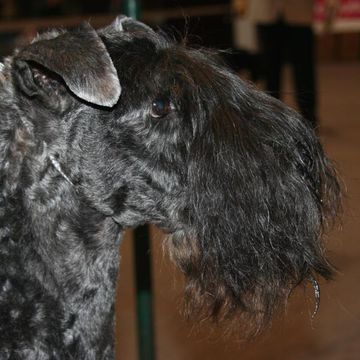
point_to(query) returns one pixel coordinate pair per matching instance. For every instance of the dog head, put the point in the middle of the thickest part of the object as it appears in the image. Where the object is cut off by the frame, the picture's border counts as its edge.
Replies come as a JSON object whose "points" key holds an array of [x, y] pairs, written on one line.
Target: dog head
{"points": [[153, 132]]}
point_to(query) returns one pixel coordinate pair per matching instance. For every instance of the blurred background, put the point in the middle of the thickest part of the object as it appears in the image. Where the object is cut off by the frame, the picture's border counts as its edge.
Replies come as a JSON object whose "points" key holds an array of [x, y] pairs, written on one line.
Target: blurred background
{"points": [[306, 52]]}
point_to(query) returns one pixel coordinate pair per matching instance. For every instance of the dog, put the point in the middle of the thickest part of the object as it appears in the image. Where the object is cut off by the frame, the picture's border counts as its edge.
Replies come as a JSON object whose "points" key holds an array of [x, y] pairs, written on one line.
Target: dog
{"points": [[111, 129]]}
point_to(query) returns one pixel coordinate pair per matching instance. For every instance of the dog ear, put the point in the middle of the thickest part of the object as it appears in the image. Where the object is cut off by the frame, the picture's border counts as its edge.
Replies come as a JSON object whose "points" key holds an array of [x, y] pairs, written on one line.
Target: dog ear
{"points": [[78, 57], [260, 193]]}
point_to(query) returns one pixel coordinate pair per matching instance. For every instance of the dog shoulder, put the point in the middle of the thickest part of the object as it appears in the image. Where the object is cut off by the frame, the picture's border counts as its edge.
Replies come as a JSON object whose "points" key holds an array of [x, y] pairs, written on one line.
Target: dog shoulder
{"points": [[29, 316]]}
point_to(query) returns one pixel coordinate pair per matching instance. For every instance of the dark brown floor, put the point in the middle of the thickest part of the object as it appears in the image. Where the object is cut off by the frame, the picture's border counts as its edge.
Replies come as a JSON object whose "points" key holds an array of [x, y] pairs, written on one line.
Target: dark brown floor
{"points": [[335, 333]]}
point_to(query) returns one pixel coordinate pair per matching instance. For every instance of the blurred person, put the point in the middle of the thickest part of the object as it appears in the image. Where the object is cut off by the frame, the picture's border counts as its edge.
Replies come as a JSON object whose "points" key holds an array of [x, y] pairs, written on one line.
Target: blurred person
{"points": [[285, 34], [246, 50]]}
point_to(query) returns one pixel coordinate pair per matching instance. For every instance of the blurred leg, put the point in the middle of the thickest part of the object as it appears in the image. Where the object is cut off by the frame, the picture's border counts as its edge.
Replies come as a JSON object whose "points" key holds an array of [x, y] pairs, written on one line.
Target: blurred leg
{"points": [[300, 44], [271, 47]]}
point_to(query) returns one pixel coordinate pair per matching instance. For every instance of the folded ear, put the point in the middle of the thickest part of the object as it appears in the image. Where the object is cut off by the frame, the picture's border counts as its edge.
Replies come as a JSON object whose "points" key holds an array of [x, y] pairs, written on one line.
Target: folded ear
{"points": [[81, 60]]}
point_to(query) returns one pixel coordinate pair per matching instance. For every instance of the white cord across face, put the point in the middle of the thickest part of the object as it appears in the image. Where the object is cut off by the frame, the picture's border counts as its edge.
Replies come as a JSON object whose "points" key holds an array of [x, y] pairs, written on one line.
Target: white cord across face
{"points": [[57, 166]]}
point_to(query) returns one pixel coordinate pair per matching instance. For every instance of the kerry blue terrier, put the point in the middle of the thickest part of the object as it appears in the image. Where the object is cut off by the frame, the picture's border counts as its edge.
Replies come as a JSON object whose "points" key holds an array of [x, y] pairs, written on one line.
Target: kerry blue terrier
{"points": [[110, 129]]}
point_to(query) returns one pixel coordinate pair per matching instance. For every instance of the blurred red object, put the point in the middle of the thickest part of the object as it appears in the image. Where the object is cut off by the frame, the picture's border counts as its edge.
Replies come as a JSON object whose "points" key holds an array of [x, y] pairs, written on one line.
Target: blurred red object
{"points": [[346, 9]]}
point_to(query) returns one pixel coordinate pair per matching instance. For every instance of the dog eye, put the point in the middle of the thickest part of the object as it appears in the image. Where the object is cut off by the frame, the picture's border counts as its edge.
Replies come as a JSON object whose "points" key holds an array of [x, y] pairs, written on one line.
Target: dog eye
{"points": [[161, 107]]}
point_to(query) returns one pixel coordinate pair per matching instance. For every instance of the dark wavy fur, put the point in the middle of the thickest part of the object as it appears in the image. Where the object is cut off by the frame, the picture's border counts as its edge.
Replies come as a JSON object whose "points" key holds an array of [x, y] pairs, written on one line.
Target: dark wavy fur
{"points": [[238, 180]]}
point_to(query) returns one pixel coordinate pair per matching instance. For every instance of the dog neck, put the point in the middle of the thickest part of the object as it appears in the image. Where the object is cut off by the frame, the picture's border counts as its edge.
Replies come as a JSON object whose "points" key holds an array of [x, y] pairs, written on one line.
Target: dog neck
{"points": [[73, 247]]}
